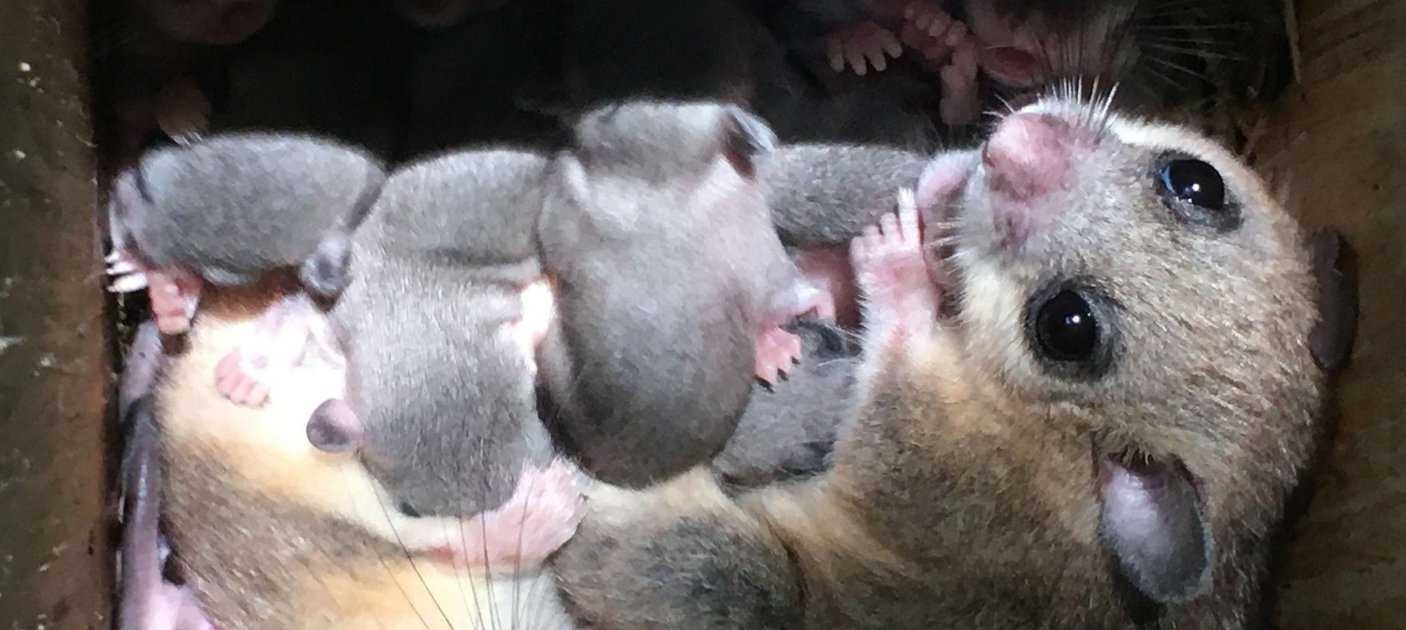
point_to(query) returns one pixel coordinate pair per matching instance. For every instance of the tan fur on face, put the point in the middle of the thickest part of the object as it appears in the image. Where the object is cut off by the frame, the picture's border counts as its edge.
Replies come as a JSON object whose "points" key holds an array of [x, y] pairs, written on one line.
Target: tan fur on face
{"points": [[965, 493]]}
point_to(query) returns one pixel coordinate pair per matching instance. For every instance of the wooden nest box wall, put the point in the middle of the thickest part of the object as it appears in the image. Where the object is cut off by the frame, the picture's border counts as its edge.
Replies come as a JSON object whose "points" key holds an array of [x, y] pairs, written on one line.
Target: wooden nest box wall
{"points": [[1333, 145]]}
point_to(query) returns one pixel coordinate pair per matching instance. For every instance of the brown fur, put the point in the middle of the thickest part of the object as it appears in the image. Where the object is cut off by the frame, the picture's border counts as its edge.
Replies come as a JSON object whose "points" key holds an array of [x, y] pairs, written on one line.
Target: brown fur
{"points": [[967, 494], [272, 533]]}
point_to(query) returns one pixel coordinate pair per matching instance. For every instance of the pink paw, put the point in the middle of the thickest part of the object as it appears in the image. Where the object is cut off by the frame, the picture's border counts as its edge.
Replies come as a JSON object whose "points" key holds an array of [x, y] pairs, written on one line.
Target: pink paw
{"points": [[891, 270], [244, 379], [538, 519], [961, 102], [777, 351], [174, 297], [282, 337], [930, 30], [861, 46]]}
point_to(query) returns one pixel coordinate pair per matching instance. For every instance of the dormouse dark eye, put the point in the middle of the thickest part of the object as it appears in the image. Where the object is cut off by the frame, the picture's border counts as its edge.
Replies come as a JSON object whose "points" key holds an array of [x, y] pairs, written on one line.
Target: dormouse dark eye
{"points": [[407, 509], [1195, 192], [1066, 328], [1195, 182]]}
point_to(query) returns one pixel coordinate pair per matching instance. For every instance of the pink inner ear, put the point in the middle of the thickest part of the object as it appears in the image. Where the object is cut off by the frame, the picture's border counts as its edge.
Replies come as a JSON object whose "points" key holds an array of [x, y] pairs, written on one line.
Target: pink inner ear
{"points": [[1011, 65]]}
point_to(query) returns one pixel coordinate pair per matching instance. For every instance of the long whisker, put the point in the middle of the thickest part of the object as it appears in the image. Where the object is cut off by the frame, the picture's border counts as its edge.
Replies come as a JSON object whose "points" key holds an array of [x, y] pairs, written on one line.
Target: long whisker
{"points": [[413, 565]]}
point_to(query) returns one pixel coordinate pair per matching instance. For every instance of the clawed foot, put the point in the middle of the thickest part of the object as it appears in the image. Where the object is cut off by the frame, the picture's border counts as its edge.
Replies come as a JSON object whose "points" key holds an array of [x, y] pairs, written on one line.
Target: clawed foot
{"points": [[961, 102], [777, 351], [538, 519], [281, 338], [931, 31], [174, 295], [861, 46], [892, 273]]}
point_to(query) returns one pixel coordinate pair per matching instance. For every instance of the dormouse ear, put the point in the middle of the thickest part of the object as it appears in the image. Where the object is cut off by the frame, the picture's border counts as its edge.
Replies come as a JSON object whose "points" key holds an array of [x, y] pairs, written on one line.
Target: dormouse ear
{"points": [[1152, 519], [327, 271], [748, 138], [1333, 335], [335, 428]]}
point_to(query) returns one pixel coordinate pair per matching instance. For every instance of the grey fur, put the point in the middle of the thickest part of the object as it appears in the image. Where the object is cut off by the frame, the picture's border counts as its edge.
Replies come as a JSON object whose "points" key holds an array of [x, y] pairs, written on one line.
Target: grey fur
{"points": [[966, 492], [237, 205], [828, 193], [446, 400], [661, 247], [790, 431]]}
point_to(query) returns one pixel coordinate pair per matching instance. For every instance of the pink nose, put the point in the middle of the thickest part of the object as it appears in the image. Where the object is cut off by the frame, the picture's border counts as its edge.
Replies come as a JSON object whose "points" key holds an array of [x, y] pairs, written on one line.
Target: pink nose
{"points": [[1027, 156]]}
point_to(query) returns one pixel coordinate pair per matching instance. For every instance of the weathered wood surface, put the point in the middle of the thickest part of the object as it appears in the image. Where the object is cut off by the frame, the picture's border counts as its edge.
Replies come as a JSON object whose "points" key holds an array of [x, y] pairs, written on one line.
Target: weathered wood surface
{"points": [[55, 561], [1337, 144]]}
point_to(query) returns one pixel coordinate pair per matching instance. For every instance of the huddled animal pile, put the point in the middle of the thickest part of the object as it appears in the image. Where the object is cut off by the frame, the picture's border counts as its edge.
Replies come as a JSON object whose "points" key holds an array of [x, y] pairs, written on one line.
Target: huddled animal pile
{"points": [[646, 336]]}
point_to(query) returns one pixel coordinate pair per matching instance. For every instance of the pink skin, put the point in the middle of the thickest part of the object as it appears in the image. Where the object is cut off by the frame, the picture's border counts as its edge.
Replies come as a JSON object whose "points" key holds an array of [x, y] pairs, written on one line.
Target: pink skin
{"points": [[930, 31], [283, 336], [961, 102], [538, 519], [777, 349], [174, 293], [1026, 158], [174, 297], [942, 41], [900, 298], [861, 46], [176, 608], [829, 269]]}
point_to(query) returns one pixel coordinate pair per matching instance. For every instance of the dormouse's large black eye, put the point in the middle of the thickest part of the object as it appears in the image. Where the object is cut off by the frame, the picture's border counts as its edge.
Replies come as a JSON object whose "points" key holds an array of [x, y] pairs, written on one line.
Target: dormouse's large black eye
{"points": [[405, 508], [1066, 328], [1195, 182], [1195, 192]]}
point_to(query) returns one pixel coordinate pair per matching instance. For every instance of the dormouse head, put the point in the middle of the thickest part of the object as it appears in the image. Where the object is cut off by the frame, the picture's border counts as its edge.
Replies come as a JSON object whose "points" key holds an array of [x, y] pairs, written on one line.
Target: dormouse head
{"points": [[439, 409], [1134, 283], [640, 163]]}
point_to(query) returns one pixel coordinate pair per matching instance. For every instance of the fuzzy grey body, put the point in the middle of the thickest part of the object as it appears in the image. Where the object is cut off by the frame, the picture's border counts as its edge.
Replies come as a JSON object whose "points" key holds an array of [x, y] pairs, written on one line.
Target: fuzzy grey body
{"points": [[444, 392], [789, 432], [983, 484], [235, 206], [659, 242], [822, 194]]}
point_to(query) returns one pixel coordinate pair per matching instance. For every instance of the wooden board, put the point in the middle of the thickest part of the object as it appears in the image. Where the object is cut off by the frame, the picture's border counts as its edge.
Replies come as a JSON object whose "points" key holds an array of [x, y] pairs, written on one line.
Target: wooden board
{"points": [[55, 560], [1337, 144]]}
